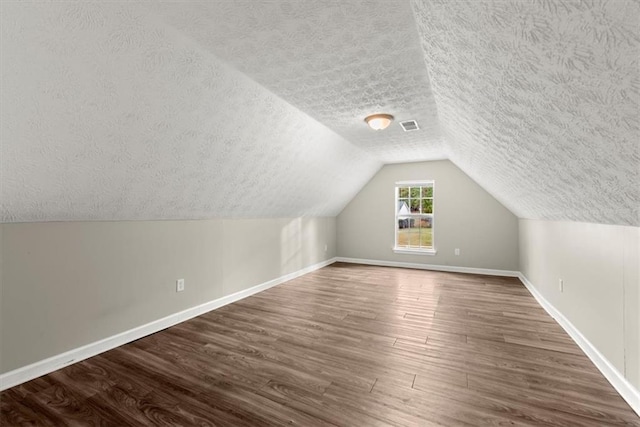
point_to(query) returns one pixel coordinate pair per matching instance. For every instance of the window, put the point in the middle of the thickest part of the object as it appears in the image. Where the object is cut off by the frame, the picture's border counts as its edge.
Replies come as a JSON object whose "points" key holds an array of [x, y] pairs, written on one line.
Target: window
{"points": [[414, 217]]}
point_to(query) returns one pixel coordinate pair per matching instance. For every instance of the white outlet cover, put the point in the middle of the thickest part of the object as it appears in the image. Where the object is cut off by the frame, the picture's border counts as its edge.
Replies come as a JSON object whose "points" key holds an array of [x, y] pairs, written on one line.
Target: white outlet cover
{"points": [[179, 285]]}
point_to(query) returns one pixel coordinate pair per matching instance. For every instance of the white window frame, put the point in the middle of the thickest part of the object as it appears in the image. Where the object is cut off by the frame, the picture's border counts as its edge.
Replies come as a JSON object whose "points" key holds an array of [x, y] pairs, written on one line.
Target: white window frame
{"points": [[415, 251]]}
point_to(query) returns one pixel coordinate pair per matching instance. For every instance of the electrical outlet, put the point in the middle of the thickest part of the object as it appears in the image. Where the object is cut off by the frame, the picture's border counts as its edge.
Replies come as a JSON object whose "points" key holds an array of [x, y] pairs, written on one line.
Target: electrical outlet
{"points": [[456, 251], [561, 285], [179, 285], [325, 248]]}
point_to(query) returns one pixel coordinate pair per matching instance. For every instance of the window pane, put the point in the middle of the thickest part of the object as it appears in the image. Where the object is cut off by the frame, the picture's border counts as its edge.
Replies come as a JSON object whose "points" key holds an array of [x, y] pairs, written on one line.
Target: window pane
{"points": [[403, 207], [415, 192], [414, 233], [415, 205], [426, 232], [425, 222], [401, 235], [427, 191], [408, 233], [427, 206], [403, 192]]}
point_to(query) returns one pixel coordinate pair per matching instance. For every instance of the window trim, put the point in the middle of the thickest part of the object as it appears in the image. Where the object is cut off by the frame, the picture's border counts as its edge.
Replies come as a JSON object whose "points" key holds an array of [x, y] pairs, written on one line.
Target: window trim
{"points": [[414, 251]]}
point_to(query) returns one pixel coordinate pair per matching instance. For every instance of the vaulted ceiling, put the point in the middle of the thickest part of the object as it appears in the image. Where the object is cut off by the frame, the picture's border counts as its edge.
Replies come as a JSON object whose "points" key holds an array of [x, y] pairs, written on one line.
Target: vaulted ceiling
{"points": [[181, 110]]}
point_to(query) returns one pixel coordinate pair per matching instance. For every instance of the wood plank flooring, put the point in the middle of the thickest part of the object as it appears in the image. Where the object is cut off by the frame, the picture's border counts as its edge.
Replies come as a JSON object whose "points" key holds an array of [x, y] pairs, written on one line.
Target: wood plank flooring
{"points": [[347, 345]]}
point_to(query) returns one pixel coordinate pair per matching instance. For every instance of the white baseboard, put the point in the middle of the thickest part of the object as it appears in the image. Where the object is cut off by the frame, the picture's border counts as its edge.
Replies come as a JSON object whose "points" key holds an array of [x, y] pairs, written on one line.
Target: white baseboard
{"points": [[628, 392], [447, 268], [43, 367]]}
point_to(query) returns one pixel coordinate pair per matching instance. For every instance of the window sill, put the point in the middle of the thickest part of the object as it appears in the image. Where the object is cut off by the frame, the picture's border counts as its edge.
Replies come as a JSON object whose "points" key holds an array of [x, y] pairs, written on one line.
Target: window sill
{"points": [[410, 251]]}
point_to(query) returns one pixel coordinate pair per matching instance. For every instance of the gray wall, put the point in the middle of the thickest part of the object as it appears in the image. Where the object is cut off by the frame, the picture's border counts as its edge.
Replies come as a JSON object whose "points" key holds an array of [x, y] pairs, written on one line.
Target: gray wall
{"points": [[67, 284], [466, 217], [599, 266]]}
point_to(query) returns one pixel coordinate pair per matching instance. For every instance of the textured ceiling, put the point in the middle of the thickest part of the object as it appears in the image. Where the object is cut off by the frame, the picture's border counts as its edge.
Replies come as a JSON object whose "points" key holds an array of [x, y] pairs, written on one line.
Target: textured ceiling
{"points": [[338, 61], [539, 101], [109, 114], [152, 110]]}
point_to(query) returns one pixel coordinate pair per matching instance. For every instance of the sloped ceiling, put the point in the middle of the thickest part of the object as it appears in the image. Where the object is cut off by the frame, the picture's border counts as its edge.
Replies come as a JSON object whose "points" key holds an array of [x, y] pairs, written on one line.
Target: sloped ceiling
{"points": [[158, 110], [539, 101], [336, 61], [108, 113]]}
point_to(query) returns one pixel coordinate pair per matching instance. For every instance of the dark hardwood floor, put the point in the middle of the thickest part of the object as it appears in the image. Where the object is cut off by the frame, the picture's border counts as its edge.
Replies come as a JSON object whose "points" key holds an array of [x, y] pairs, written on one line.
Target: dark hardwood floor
{"points": [[347, 345]]}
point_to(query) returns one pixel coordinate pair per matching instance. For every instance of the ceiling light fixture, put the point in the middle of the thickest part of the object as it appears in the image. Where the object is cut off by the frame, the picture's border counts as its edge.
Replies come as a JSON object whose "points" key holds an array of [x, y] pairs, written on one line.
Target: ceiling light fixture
{"points": [[379, 121]]}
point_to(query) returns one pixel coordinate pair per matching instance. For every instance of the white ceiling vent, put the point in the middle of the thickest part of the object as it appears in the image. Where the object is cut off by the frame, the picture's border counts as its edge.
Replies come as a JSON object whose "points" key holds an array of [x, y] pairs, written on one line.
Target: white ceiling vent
{"points": [[409, 125]]}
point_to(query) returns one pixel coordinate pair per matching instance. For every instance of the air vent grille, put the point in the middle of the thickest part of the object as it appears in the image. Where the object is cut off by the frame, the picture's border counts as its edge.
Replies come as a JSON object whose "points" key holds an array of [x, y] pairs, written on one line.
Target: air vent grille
{"points": [[409, 125]]}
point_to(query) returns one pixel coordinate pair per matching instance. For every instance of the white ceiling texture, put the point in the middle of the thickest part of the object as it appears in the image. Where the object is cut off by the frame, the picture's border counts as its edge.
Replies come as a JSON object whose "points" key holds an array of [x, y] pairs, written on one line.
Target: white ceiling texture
{"points": [[194, 109]]}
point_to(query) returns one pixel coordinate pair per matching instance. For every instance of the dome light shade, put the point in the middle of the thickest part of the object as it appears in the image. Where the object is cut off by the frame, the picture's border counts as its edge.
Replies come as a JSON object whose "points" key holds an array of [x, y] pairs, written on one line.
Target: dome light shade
{"points": [[379, 121]]}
